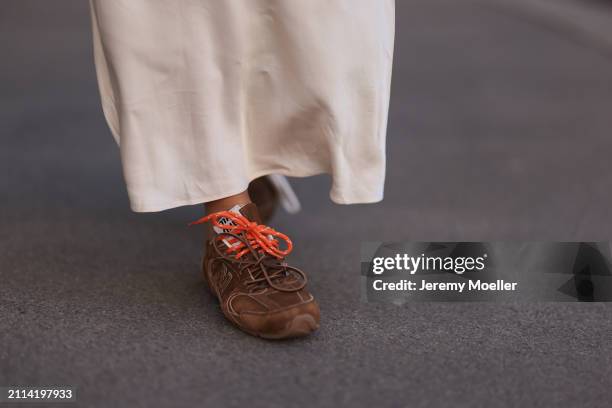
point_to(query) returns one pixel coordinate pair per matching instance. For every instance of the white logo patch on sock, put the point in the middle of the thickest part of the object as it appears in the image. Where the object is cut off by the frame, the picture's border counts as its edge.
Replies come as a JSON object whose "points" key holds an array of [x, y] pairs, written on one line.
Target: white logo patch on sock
{"points": [[229, 241]]}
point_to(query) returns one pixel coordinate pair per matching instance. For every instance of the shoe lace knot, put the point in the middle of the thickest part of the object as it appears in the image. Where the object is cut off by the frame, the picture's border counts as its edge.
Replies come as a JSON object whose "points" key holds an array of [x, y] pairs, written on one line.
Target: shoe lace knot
{"points": [[258, 237]]}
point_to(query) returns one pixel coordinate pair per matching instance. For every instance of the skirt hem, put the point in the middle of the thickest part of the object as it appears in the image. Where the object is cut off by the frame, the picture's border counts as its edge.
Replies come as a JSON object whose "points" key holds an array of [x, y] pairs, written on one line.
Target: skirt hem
{"points": [[336, 195]]}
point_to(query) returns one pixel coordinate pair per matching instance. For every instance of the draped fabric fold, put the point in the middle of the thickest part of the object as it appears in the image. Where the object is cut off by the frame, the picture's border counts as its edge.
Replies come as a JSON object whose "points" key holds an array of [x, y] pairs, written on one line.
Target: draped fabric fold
{"points": [[204, 96]]}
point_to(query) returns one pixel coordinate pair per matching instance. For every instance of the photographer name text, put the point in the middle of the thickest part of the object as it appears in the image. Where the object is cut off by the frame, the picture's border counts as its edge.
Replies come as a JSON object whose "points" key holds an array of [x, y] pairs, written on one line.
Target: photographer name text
{"points": [[472, 285]]}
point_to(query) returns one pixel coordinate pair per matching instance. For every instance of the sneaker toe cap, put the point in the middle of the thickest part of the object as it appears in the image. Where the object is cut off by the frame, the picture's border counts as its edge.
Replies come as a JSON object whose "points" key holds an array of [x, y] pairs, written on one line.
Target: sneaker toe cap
{"points": [[295, 321]]}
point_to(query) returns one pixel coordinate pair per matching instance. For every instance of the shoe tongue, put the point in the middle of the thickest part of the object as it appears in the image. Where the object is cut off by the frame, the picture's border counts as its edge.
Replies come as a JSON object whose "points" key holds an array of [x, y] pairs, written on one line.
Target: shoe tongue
{"points": [[250, 211]]}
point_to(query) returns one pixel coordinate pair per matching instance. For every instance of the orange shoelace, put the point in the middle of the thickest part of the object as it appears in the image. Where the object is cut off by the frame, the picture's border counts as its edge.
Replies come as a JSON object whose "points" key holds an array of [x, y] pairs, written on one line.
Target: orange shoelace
{"points": [[260, 238]]}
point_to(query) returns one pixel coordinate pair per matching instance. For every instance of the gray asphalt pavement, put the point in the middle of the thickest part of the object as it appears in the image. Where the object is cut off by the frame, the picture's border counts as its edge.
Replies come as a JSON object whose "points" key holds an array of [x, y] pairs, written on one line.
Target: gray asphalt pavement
{"points": [[499, 130]]}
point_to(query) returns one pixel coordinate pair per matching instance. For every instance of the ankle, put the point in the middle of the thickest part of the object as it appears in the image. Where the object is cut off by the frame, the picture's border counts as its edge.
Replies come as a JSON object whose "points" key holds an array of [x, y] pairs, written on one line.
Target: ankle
{"points": [[226, 203]]}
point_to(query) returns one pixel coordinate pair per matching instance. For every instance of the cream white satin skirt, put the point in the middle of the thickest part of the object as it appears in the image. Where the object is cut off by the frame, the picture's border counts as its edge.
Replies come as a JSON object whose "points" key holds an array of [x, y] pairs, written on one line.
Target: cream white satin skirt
{"points": [[203, 96]]}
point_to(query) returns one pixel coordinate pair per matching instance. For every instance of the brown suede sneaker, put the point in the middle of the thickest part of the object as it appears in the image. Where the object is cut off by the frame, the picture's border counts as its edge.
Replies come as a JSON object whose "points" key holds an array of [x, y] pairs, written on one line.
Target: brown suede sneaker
{"points": [[246, 269]]}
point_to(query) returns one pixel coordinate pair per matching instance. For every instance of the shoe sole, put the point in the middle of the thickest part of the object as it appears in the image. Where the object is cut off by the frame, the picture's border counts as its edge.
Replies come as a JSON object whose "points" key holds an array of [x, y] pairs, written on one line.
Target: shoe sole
{"points": [[300, 326]]}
